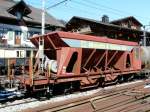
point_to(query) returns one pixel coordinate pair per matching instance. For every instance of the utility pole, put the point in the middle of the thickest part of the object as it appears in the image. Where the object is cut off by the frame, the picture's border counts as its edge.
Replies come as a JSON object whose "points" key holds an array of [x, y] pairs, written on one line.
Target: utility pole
{"points": [[41, 39], [43, 17]]}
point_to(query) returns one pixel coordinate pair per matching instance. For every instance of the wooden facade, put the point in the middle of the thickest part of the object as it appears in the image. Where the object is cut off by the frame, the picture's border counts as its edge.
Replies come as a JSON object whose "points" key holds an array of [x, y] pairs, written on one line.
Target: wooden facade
{"points": [[128, 22], [124, 29]]}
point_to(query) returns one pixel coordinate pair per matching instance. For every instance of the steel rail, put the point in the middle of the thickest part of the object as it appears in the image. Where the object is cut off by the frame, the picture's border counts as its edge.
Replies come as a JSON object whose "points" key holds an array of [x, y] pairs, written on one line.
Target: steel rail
{"points": [[74, 103]]}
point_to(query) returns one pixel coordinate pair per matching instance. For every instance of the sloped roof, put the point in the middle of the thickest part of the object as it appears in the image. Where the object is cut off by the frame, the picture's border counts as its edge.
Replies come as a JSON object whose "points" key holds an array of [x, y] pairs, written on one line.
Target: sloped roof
{"points": [[99, 23], [125, 19], [34, 16], [21, 7]]}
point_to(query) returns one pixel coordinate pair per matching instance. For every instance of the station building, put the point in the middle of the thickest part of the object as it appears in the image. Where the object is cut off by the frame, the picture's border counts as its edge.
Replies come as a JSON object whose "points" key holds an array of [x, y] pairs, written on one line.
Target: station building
{"points": [[18, 22]]}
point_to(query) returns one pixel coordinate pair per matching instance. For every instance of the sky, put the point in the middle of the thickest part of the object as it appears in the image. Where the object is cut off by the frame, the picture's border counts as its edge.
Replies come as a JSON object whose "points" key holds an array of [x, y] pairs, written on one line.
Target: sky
{"points": [[95, 9]]}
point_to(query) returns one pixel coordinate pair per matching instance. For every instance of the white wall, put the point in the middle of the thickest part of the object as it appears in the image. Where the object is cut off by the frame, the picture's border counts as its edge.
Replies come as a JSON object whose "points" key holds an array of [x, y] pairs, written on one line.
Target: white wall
{"points": [[12, 53], [10, 35]]}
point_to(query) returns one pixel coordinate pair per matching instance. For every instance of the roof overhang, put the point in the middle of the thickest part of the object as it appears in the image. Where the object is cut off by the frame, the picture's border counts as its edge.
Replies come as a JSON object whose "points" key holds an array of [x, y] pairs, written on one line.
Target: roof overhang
{"points": [[125, 19], [21, 7]]}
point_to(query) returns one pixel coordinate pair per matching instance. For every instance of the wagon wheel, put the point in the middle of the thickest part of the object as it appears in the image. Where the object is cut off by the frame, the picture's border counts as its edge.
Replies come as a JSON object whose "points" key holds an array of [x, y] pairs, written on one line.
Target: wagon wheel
{"points": [[69, 89], [102, 82], [120, 79]]}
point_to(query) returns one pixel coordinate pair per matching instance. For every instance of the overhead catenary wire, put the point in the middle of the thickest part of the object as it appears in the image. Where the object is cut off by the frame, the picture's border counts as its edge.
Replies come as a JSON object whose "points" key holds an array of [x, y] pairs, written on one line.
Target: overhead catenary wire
{"points": [[97, 6], [68, 10], [118, 10], [106, 8], [56, 4], [74, 8], [94, 7], [81, 10], [37, 4], [59, 3]]}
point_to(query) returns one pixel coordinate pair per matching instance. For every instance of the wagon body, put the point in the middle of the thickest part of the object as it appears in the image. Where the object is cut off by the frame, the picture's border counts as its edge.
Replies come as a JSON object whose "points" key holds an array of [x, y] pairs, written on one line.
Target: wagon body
{"points": [[87, 58]]}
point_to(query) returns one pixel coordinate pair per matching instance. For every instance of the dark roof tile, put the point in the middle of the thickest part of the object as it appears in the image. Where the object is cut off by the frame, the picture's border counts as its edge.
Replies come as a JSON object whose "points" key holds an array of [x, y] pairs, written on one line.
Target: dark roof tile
{"points": [[99, 23], [34, 16]]}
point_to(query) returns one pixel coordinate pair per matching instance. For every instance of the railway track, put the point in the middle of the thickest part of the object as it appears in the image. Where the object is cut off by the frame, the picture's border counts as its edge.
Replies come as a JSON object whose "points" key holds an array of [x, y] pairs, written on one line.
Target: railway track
{"points": [[17, 102], [108, 99]]}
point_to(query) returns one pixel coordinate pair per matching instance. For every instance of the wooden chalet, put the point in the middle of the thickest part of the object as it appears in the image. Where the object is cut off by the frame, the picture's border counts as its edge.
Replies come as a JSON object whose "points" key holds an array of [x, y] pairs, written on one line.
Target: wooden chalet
{"points": [[128, 22], [128, 28]]}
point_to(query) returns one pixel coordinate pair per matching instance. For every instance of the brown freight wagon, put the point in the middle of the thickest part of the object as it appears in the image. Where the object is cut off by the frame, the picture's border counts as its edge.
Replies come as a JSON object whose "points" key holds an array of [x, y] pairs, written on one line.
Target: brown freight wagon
{"points": [[83, 60]]}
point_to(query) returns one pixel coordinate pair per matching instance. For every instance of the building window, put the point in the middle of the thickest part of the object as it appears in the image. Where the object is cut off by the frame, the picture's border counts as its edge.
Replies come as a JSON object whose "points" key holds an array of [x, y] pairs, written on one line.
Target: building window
{"points": [[18, 33], [10, 35], [20, 54], [3, 32], [25, 35], [27, 53]]}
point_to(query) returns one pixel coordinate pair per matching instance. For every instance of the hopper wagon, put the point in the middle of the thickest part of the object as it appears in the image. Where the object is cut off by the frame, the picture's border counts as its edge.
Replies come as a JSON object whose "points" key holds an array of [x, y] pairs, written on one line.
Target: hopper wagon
{"points": [[82, 61]]}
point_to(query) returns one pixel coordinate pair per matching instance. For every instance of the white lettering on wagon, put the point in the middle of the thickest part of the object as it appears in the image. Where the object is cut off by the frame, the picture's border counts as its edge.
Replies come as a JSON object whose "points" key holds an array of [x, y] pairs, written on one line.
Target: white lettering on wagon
{"points": [[96, 45]]}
